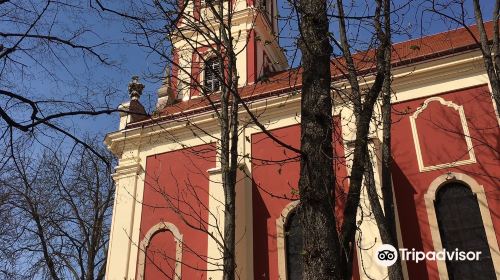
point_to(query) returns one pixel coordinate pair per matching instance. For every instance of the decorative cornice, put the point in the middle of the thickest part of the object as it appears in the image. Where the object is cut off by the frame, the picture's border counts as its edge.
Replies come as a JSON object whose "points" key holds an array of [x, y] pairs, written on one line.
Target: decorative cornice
{"points": [[240, 17], [127, 168], [275, 104]]}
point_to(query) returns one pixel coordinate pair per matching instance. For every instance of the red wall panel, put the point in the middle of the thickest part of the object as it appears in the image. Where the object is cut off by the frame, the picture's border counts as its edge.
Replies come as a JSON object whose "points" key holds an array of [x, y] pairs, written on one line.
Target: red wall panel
{"points": [[442, 146], [441, 135], [178, 180], [275, 172]]}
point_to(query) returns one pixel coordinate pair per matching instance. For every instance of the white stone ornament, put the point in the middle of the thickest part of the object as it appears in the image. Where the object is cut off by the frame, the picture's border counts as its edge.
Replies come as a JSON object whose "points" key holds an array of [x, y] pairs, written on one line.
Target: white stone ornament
{"points": [[135, 88]]}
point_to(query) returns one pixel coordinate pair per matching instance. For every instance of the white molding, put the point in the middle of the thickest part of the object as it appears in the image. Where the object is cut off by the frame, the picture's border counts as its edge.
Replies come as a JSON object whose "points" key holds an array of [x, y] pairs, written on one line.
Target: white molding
{"points": [[425, 73], [465, 129], [162, 226], [276, 104], [214, 170], [478, 190], [127, 169], [497, 113], [280, 238], [216, 206]]}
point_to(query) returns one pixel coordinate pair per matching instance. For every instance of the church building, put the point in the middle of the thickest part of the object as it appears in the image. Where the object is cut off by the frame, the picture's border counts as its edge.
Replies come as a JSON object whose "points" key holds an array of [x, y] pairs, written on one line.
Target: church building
{"points": [[168, 213]]}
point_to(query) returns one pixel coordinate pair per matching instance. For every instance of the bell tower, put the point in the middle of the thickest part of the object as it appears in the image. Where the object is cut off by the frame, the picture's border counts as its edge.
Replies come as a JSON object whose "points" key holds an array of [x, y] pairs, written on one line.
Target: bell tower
{"points": [[254, 28]]}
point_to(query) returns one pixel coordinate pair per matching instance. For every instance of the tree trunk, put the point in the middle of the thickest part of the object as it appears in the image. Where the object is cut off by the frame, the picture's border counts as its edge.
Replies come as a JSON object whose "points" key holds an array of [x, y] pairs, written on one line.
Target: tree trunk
{"points": [[389, 219], [321, 246], [496, 36], [349, 225], [363, 111], [227, 154], [230, 147], [229, 181], [489, 63]]}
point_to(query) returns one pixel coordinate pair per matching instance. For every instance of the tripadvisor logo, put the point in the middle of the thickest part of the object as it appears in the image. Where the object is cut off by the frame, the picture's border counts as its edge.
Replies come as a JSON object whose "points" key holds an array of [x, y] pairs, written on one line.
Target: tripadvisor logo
{"points": [[387, 255]]}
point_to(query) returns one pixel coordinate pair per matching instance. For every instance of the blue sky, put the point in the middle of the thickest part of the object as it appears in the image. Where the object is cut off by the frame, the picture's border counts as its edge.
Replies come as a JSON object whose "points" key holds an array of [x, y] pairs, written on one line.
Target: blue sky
{"points": [[76, 76]]}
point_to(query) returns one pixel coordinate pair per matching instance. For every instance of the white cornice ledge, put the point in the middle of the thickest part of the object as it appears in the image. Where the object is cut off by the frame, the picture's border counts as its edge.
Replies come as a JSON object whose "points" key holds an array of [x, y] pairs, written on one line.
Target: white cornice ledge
{"points": [[214, 171], [371, 138], [127, 168]]}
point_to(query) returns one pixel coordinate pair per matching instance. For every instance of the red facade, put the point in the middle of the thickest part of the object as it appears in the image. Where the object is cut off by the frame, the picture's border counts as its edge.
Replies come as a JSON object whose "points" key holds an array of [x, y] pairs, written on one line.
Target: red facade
{"points": [[442, 141], [177, 183], [275, 171]]}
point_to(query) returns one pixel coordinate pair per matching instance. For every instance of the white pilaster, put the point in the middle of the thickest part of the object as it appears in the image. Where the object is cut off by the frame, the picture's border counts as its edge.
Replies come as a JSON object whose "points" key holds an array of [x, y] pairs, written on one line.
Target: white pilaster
{"points": [[121, 247], [216, 224]]}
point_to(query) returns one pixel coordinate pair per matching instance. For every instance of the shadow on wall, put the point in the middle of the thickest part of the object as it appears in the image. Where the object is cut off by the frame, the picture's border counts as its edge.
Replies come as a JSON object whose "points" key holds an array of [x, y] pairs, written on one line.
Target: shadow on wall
{"points": [[407, 211]]}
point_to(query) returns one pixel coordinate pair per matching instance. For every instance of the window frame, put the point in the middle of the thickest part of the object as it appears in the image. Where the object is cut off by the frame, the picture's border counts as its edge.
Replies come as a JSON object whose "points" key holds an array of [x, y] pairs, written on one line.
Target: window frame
{"points": [[478, 190], [281, 239], [162, 226], [465, 129], [214, 79]]}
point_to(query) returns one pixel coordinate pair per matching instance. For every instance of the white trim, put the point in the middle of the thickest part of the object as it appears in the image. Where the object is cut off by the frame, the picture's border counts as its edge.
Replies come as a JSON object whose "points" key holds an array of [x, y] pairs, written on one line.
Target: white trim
{"points": [[497, 113], [280, 237], [465, 128], [424, 76], [215, 222], [478, 190], [162, 226]]}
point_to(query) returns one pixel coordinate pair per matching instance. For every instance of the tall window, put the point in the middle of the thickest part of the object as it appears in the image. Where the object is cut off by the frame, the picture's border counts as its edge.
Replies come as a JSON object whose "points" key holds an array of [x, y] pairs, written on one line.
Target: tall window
{"points": [[263, 5], [294, 247], [461, 227], [212, 74]]}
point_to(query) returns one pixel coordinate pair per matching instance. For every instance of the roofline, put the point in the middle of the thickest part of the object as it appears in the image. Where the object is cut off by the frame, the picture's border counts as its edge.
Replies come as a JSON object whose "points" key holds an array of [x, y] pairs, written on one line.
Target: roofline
{"points": [[298, 86]]}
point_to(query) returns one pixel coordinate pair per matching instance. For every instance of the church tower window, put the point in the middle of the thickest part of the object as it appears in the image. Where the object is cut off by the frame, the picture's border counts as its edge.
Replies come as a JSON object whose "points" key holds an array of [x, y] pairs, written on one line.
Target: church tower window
{"points": [[213, 75]]}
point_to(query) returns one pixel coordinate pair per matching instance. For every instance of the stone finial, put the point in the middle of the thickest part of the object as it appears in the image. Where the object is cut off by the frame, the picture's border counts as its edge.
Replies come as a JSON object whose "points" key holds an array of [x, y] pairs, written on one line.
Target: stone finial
{"points": [[135, 88]]}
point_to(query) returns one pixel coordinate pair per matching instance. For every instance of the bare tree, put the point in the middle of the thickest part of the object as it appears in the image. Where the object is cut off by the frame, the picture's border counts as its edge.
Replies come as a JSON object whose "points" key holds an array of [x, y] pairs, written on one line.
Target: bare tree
{"points": [[321, 256], [386, 220], [59, 214], [33, 34], [177, 21], [333, 258], [316, 173], [50, 55], [364, 98], [155, 26]]}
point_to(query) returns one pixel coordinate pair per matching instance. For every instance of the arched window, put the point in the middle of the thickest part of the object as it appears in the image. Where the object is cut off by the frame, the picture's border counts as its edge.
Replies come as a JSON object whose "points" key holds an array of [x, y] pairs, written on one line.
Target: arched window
{"points": [[461, 227], [160, 253], [212, 74], [160, 261], [294, 247]]}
